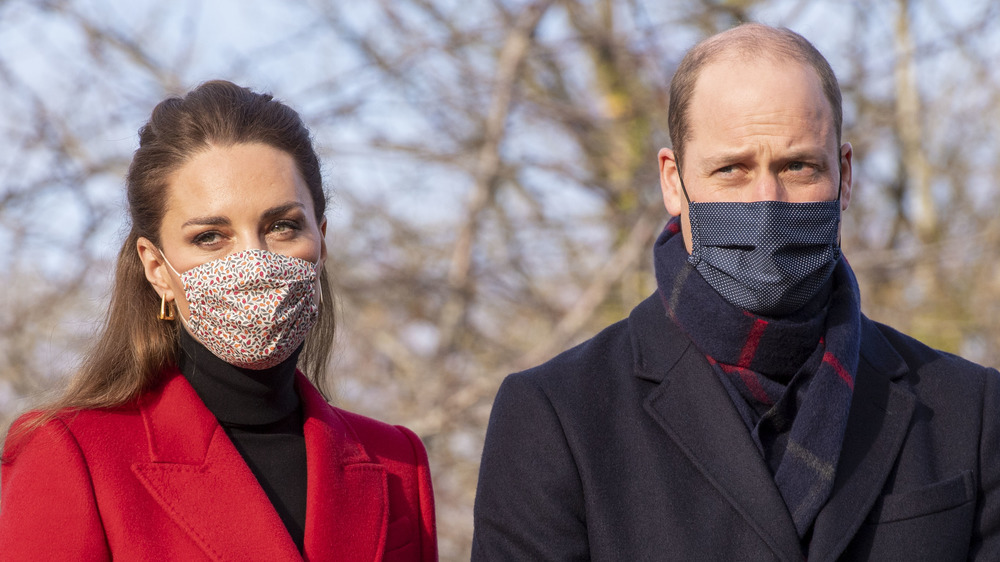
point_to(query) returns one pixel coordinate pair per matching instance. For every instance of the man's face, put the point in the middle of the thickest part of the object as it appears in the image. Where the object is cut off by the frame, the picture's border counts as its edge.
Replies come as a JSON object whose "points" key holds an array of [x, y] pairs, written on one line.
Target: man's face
{"points": [[760, 131]]}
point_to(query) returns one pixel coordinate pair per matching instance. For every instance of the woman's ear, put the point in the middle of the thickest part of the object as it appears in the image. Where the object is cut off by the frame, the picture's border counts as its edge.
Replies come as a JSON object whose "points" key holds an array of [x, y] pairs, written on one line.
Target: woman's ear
{"points": [[155, 268]]}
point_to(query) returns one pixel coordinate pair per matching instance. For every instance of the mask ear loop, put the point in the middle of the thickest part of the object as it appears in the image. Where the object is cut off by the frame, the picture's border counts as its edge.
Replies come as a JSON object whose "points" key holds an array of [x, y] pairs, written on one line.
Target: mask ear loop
{"points": [[320, 267], [695, 255], [680, 178], [840, 213]]}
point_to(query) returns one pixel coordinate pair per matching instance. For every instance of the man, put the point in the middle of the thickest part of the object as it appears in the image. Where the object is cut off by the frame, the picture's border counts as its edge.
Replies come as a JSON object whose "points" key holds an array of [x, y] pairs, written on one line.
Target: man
{"points": [[747, 410]]}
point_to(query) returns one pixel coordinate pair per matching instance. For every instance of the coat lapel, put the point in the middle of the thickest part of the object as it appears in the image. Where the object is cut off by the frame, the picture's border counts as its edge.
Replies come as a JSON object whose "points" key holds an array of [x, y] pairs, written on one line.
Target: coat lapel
{"points": [[347, 511], [876, 428], [695, 411], [200, 480]]}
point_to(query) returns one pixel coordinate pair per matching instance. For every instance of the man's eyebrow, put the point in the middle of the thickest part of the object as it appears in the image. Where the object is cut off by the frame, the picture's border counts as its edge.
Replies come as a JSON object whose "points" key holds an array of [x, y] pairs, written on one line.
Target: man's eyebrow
{"points": [[727, 158], [804, 154], [719, 160]]}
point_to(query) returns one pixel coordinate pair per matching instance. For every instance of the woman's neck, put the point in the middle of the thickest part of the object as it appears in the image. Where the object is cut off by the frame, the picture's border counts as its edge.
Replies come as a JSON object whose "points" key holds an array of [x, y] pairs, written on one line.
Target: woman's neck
{"points": [[236, 395]]}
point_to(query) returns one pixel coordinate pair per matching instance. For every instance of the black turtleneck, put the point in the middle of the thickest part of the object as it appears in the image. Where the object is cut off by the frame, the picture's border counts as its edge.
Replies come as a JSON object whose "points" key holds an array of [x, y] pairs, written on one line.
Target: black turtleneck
{"points": [[262, 415]]}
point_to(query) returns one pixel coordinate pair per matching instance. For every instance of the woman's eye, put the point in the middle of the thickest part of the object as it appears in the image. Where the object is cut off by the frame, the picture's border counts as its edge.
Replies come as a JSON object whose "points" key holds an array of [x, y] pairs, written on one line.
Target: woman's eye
{"points": [[207, 238], [284, 226]]}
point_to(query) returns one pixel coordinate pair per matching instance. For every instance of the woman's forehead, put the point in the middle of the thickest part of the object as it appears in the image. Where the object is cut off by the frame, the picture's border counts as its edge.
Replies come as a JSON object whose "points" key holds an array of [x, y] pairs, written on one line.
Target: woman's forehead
{"points": [[240, 179]]}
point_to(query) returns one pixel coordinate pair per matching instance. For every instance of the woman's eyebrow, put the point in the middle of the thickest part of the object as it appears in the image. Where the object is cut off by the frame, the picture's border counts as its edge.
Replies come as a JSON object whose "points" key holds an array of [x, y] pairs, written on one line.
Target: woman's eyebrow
{"points": [[207, 221], [219, 220], [282, 209]]}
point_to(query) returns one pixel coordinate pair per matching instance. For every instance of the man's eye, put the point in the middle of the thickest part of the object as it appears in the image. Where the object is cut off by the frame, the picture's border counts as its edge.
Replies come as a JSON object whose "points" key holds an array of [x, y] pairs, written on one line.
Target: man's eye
{"points": [[727, 169], [797, 166]]}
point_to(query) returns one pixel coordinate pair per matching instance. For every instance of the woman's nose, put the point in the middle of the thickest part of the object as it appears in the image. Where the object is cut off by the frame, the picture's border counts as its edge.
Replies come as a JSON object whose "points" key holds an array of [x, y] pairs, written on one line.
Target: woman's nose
{"points": [[251, 241]]}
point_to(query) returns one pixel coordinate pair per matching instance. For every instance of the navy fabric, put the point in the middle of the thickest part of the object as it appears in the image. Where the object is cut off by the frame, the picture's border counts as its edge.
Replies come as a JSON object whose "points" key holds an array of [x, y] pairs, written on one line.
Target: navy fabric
{"points": [[791, 379], [768, 257]]}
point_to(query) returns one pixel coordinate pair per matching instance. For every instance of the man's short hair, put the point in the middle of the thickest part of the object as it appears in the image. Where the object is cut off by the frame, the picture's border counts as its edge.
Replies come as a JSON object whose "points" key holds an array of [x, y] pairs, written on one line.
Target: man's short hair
{"points": [[748, 41]]}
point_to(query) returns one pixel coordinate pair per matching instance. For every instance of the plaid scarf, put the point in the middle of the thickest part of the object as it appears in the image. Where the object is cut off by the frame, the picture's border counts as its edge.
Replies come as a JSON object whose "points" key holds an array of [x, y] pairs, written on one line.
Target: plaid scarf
{"points": [[790, 378]]}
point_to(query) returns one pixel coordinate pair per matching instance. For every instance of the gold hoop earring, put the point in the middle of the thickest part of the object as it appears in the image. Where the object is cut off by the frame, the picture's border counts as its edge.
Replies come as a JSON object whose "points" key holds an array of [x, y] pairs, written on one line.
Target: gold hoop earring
{"points": [[166, 310]]}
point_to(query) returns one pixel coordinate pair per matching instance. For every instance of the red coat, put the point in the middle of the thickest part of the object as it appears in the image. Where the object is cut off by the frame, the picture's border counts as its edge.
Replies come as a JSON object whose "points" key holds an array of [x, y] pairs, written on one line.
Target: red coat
{"points": [[160, 480]]}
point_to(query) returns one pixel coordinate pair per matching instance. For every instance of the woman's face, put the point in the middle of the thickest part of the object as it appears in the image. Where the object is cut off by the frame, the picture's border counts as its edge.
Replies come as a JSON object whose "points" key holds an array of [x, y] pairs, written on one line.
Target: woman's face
{"points": [[230, 199]]}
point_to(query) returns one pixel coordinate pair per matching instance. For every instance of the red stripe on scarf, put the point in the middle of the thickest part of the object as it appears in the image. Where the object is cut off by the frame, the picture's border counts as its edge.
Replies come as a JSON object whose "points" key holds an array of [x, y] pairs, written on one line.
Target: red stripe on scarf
{"points": [[748, 377], [753, 340], [831, 360]]}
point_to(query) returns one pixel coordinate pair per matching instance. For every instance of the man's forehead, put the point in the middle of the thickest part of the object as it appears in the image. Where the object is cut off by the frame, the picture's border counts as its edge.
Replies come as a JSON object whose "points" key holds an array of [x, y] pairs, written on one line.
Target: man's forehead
{"points": [[739, 59], [760, 97], [761, 79]]}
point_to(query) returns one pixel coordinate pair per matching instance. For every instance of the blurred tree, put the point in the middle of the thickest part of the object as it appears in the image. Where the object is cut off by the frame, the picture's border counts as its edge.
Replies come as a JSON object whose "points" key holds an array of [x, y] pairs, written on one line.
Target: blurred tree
{"points": [[493, 167]]}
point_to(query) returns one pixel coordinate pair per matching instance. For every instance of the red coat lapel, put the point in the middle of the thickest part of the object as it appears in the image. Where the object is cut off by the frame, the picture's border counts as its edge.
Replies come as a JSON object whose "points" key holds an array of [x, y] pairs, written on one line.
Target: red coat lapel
{"points": [[347, 509], [199, 478]]}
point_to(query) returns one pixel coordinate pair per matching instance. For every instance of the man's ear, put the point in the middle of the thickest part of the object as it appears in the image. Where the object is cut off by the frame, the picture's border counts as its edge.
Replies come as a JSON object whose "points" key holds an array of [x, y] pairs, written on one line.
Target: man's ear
{"points": [[846, 175], [155, 268], [670, 183]]}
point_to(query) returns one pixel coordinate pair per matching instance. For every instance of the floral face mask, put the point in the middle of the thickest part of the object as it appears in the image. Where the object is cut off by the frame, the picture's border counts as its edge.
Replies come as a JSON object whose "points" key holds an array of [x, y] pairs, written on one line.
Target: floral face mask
{"points": [[251, 308]]}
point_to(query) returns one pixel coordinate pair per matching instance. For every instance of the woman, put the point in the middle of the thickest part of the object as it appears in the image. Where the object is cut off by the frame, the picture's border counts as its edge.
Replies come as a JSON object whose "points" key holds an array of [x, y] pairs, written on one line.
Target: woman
{"points": [[189, 433]]}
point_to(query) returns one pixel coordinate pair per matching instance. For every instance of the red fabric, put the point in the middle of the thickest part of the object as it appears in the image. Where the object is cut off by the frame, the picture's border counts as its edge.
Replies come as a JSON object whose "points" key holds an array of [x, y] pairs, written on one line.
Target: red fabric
{"points": [[161, 480]]}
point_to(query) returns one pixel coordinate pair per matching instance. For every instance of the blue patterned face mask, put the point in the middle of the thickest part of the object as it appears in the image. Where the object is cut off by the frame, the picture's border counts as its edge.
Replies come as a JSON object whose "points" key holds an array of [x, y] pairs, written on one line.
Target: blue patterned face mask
{"points": [[767, 257]]}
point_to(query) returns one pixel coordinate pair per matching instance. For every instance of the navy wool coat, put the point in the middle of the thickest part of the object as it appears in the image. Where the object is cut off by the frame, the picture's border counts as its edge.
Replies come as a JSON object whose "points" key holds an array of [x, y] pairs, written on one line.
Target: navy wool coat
{"points": [[628, 447]]}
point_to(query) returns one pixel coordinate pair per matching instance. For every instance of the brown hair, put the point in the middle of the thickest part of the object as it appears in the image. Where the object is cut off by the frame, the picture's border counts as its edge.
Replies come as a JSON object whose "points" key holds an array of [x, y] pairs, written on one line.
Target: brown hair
{"points": [[134, 346], [748, 41]]}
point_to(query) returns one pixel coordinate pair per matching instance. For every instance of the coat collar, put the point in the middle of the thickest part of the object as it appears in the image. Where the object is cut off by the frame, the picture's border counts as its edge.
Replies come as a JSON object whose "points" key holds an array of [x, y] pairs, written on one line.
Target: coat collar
{"points": [[199, 478], [695, 411]]}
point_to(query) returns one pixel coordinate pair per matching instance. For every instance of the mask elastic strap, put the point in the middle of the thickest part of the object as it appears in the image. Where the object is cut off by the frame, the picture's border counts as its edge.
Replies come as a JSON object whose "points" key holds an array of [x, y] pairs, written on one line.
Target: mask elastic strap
{"points": [[319, 281], [166, 261], [695, 240], [840, 189], [680, 177], [840, 177]]}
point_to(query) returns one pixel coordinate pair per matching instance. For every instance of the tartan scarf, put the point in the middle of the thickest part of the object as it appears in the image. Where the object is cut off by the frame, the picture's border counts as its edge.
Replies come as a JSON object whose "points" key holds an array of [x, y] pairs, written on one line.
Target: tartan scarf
{"points": [[790, 378]]}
